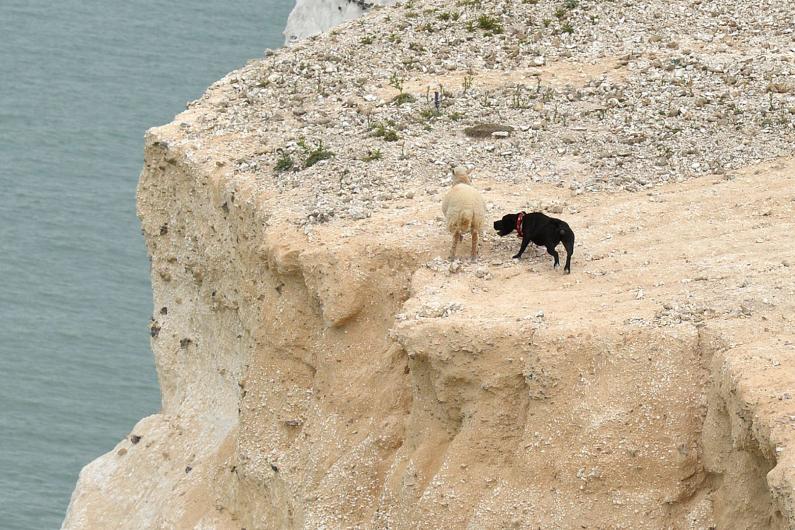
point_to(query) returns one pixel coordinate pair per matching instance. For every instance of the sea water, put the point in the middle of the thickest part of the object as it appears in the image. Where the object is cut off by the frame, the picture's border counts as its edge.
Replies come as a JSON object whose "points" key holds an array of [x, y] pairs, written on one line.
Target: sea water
{"points": [[80, 82]]}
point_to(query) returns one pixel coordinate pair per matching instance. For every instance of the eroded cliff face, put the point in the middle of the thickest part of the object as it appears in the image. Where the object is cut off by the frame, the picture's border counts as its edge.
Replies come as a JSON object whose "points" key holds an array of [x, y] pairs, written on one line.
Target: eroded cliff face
{"points": [[323, 366], [345, 380]]}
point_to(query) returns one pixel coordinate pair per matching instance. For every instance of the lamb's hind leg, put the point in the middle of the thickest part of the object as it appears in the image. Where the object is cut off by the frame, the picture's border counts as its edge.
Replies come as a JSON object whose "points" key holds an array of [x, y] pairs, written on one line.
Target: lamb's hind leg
{"points": [[456, 238], [474, 245]]}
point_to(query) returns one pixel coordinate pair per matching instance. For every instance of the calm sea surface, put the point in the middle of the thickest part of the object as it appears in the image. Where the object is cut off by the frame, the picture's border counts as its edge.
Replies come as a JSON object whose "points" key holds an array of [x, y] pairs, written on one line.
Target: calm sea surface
{"points": [[80, 82]]}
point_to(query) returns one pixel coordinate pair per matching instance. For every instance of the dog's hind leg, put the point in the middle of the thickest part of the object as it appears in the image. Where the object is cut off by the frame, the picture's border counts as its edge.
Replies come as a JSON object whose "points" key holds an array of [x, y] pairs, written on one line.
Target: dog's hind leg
{"points": [[474, 245], [568, 243], [554, 253]]}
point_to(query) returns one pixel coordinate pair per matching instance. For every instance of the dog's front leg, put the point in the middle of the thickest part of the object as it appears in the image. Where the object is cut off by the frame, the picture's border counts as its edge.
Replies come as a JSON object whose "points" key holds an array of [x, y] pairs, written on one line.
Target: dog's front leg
{"points": [[525, 242]]}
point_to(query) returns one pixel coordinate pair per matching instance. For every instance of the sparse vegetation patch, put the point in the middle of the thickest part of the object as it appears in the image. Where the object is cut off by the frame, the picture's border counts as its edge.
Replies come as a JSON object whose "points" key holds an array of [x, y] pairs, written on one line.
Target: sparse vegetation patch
{"points": [[386, 131], [488, 23], [315, 154], [284, 162]]}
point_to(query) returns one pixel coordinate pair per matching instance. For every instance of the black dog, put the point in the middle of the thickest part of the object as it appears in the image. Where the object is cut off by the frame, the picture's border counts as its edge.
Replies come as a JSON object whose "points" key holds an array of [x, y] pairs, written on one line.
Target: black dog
{"points": [[541, 230]]}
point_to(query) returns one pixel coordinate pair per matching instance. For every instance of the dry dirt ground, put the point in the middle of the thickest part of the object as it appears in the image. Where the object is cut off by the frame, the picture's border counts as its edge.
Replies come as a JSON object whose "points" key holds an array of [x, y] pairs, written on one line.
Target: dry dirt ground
{"points": [[659, 373]]}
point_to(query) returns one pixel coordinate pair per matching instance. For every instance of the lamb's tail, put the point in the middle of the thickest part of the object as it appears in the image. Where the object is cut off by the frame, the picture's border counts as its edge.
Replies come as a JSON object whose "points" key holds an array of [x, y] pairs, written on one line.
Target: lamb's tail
{"points": [[463, 221]]}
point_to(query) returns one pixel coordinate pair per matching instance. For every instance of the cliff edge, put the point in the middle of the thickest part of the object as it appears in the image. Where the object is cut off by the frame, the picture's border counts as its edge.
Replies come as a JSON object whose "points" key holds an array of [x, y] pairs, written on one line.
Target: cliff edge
{"points": [[323, 365]]}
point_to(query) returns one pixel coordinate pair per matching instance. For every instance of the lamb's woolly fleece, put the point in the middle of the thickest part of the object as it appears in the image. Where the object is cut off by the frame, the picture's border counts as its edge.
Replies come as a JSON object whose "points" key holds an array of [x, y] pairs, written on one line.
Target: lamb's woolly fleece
{"points": [[463, 206]]}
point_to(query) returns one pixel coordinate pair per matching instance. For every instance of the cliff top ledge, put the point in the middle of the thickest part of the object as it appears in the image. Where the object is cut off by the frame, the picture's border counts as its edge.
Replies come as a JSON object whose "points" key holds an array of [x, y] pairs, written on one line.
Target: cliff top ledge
{"points": [[635, 95]]}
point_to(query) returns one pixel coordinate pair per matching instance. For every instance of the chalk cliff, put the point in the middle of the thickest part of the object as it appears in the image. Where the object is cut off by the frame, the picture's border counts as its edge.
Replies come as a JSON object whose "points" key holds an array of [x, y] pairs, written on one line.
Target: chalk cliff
{"points": [[323, 365], [310, 17]]}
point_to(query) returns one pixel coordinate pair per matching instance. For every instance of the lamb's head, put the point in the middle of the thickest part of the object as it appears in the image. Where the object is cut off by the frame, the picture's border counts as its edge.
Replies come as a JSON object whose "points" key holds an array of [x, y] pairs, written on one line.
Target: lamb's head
{"points": [[461, 175]]}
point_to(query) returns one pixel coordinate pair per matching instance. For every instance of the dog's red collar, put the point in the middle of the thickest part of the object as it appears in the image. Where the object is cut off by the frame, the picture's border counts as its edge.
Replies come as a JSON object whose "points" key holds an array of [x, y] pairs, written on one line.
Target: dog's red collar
{"points": [[519, 219]]}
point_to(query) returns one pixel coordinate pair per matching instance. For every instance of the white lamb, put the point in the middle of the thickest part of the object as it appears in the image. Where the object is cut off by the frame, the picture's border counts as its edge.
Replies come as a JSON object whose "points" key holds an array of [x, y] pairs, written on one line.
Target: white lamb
{"points": [[464, 210]]}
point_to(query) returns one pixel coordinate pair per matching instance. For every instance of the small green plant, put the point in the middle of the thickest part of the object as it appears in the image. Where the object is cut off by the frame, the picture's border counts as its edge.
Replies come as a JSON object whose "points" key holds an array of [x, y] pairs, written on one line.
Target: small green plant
{"points": [[381, 130], [315, 154], [394, 38], [429, 114], [367, 39], [372, 154], [396, 82], [566, 28], [455, 116], [403, 98], [520, 100], [546, 22], [560, 12], [468, 80], [321, 89], [391, 135], [449, 15], [571, 4], [284, 162], [488, 23]]}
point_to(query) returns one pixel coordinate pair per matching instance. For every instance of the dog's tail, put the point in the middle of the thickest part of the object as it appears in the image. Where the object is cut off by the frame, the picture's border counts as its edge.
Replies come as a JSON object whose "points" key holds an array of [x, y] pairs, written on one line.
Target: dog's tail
{"points": [[567, 238]]}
